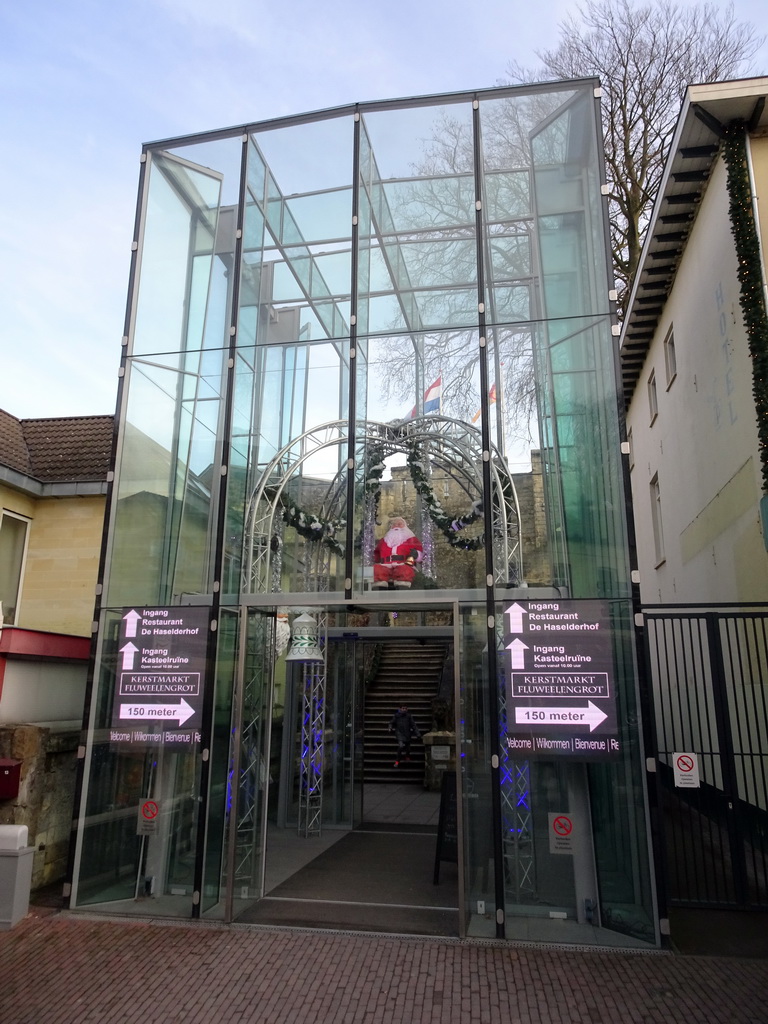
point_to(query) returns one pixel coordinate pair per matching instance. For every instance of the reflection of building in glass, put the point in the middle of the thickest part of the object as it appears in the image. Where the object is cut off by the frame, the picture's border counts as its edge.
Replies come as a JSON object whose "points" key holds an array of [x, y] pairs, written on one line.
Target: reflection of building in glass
{"points": [[380, 310]]}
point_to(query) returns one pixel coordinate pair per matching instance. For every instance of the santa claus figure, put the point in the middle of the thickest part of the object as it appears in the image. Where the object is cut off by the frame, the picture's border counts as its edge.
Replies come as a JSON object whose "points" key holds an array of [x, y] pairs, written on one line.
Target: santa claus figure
{"points": [[396, 555]]}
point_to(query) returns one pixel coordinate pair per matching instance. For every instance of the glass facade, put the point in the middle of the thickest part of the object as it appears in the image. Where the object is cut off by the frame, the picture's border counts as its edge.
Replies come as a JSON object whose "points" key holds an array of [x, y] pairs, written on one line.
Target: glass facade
{"points": [[381, 312]]}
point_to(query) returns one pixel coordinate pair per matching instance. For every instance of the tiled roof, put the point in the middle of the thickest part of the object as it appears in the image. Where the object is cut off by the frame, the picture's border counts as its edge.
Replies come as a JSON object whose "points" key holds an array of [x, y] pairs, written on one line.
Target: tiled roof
{"points": [[693, 152], [13, 447], [62, 450]]}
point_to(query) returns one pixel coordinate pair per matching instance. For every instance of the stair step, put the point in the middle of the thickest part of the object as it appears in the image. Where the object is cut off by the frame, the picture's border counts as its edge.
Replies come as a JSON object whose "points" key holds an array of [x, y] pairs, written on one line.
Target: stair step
{"points": [[406, 674]]}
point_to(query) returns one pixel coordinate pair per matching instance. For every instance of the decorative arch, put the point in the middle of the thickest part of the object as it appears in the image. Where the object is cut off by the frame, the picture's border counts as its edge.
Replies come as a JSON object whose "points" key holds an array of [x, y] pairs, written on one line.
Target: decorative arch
{"points": [[450, 445]]}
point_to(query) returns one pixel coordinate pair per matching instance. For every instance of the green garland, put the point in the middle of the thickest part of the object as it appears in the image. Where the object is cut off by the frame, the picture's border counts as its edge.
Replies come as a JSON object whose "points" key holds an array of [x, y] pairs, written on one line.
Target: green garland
{"points": [[752, 297], [450, 528], [312, 528], [374, 471]]}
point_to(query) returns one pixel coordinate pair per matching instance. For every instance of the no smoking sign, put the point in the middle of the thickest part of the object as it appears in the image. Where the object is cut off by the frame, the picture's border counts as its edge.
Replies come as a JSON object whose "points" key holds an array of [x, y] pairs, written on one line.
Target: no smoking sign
{"points": [[685, 767], [149, 811], [562, 825], [561, 833]]}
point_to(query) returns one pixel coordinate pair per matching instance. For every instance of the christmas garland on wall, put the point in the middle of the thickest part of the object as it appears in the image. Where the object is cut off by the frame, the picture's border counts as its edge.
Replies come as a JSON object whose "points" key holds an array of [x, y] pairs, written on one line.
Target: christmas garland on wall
{"points": [[751, 296], [312, 528]]}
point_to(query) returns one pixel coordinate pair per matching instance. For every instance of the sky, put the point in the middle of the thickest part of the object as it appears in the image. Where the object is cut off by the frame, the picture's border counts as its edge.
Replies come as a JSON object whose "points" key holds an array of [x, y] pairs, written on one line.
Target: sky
{"points": [[83, 83]]}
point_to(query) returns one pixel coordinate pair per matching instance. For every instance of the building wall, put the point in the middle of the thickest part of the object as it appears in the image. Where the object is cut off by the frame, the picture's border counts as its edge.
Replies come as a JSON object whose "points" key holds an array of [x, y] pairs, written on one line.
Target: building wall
{"points": [[703, 443], [46, 794], [42, 691], [61, 565]]}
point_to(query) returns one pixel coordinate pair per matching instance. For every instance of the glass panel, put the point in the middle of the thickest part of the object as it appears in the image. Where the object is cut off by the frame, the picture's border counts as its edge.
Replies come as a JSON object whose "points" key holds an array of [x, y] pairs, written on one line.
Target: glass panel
{"points": [[319, 745], [163, 514], [508, 202], [220, 794], [13, 537], [616, 799], [476, 749], [420, 459], [538, 882], [125, 853], [163, 517], [182, 258], [569, 212], [293, 371], [580, 455], [417, 221], [297, 270], [258, 762], [295, 486]]}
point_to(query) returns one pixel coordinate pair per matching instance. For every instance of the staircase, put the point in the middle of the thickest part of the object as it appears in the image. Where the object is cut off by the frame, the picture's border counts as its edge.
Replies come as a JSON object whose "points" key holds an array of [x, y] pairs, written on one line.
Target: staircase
{"points": [[408, 673]]}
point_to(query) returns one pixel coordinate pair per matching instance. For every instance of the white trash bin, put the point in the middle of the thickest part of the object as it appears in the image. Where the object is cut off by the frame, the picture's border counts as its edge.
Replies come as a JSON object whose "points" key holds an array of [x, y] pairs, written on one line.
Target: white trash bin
{"points": [[15, 874]]}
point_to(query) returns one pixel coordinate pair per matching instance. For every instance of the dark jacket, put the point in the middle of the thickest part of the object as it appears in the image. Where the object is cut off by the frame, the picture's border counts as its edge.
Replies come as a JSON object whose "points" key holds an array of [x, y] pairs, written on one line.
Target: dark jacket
{"points": [[403, 725]]}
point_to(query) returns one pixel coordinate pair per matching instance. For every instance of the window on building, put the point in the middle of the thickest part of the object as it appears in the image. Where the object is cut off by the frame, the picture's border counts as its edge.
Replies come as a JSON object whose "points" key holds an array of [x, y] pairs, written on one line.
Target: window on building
{"points": [[630, 449], [13, 543], [670, 360], [653, 398], [658, 531]]}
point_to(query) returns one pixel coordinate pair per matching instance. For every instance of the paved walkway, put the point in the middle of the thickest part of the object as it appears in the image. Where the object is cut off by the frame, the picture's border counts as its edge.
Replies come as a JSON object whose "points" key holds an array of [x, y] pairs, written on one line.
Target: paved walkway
{"points": [[63, 969]]}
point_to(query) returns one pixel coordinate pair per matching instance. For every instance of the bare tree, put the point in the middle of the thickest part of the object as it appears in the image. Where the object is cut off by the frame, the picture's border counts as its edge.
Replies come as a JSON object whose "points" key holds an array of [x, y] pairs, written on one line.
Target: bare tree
{"points": [[433, 243], [645, 56]]}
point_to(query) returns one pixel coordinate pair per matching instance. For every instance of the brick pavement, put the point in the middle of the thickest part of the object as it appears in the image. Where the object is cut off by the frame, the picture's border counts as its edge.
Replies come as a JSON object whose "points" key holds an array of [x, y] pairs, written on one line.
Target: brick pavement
{"points": [[69, 969]]}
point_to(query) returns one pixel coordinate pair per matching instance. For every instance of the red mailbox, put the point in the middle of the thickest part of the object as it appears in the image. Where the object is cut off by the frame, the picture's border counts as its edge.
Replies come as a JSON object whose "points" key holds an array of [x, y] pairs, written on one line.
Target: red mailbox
{"points": [[10, 778]]}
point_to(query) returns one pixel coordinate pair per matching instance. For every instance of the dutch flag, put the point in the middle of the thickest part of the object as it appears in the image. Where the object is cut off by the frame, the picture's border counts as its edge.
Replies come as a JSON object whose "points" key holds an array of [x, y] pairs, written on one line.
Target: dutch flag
{"points": [[432, 397]]}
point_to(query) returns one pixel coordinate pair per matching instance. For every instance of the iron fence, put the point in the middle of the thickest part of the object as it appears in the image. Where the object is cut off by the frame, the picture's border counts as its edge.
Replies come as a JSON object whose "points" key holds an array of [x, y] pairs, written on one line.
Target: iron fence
{"points": [[707, 673]]}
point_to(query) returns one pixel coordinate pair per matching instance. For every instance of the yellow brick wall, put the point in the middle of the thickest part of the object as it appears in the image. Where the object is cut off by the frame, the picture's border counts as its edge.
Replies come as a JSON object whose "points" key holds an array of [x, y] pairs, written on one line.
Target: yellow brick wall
{"points": [[63, 546], [17, 502]]}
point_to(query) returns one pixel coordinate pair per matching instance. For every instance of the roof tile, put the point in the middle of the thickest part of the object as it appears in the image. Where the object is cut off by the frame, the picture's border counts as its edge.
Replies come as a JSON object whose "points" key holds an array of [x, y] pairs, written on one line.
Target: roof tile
{"points": [[62, 449]]}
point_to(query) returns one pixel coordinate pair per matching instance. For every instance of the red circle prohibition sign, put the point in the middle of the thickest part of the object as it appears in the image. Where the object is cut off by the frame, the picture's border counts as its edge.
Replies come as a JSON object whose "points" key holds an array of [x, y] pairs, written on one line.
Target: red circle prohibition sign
{"points": [[685, 763], [562, 826], [149, 810]]}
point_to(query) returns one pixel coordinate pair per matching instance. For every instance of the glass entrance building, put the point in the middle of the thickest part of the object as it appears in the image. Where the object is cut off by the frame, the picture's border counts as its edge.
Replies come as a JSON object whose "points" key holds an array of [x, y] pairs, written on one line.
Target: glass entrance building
{"points": [[368, 456]]}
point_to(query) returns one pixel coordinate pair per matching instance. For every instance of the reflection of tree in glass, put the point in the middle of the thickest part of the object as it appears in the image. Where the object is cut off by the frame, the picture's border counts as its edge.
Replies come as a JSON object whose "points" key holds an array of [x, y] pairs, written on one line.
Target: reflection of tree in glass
{"points": [[645, 56], [432, 243]]}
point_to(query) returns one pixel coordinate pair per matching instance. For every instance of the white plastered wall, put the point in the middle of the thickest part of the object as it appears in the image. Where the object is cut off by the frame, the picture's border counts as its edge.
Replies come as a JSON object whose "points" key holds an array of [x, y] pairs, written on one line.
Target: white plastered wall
{"points": [[703, 444]]}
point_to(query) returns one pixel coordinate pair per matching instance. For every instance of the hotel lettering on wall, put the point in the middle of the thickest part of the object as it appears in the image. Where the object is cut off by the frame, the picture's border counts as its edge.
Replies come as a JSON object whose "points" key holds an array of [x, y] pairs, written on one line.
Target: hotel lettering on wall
{"points": [[560, 680], [160, 677]]}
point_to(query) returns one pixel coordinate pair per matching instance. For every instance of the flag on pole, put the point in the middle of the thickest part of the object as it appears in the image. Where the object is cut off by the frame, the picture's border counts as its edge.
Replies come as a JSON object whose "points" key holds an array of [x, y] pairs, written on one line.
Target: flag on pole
{"points": [[432, 398], [491, 400]]}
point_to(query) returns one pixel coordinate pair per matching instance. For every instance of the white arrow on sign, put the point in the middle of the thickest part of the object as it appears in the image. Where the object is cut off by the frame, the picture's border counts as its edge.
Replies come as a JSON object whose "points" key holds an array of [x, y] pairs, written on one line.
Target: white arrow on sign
{"points": [[128, 652], [517, 651], [515, 613], [131, 618], [591, 715], [156, 712]]}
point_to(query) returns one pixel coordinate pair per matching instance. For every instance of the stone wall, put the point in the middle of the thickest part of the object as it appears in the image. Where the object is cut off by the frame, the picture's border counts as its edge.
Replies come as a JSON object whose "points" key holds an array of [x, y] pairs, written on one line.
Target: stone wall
{"points": [[46, 794]]}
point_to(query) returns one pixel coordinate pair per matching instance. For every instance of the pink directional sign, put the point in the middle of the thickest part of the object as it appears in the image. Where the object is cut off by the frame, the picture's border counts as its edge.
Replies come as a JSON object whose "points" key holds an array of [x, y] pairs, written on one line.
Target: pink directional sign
{"points": [[560, 685], [160, 676]]}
